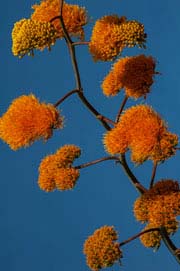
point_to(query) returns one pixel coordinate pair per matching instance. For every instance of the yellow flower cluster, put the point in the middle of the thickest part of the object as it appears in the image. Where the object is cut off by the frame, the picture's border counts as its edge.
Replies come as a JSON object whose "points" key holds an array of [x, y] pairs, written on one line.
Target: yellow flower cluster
{"points": [[56, 171], [28, 35], [74, 17], [143, 131], [112, 34], [100, 249], [159, 206], [134, 74], [27, 120]]}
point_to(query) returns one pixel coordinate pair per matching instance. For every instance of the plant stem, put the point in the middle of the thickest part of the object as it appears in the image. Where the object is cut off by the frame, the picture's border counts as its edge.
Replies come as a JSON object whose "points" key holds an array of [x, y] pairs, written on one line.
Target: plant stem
{"points": [[76, 70], [153, 175], [169, 244], [141, 189], [97, 161], [121, 108], [137, 235], [65, 97], [80, 43]]}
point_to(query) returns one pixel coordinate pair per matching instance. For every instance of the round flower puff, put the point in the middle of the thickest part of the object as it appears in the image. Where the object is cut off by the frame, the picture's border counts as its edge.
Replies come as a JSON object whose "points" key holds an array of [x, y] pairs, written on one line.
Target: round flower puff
{"points": [[143, 131], [74, 17], [111, 34], [134, 74], [56, 171], [101, 250], [28, 35], [159, 207], [27, 120]]}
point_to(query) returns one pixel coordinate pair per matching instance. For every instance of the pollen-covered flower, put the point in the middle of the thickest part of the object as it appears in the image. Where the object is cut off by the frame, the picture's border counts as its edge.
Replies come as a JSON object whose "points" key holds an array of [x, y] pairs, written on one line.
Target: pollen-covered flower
{"points": [[159, 207], [56, 171], [65, 178], [151, 238], [111, 34], [74, 17], [143, 131], [27, 120], [101, 250], [134, 74], [28, 35]]}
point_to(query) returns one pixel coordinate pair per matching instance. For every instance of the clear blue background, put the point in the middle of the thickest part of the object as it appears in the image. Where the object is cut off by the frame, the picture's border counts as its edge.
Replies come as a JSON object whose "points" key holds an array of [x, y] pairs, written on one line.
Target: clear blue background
{"points": [[46, 231]]}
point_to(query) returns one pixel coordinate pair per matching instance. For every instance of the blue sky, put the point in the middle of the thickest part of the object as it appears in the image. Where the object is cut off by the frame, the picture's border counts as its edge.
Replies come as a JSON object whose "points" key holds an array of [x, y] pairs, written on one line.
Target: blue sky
{"points": [[46, 231]]}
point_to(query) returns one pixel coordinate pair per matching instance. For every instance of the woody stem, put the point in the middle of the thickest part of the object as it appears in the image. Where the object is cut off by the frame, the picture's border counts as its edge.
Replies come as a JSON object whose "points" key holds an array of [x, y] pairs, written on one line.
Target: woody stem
{"points": [[137, 235], [97, 161], [141, 189], [153, 174], [121, 108]]}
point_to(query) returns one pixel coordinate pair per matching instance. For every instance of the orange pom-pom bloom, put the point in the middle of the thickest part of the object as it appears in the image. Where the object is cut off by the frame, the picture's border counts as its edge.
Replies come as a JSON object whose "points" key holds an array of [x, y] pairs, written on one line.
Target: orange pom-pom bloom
{"points": [[74, 17], [134, 74], [27, 120], [111, 34], [143, 131], [56, 171], [101, 250], [159, 206], [28, 35]]}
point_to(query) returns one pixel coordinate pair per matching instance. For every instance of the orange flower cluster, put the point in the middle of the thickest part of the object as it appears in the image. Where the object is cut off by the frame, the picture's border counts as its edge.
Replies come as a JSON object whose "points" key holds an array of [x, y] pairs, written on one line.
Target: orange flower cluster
{"points": [[101, 250], [56, 171], [112, 34], [27, 120], [143, 131], [74, 17], [28, 35], [134, 74], [159, 206]]}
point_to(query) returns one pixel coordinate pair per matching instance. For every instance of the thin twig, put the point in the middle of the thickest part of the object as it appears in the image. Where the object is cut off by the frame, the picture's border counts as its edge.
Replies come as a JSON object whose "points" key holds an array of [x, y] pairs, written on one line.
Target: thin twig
{"points": [[153, 175], [98, 161], [65, 97], [77, 74], [121, 108], [80, 43], [141, 189], [100, 117], [169, 244], [136, 236]]}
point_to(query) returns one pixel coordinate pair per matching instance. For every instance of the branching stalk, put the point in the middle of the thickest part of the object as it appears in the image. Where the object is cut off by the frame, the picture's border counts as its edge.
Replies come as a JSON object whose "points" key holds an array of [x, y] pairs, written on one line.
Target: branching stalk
{"points": [[65, 97], [98, 161], [140, 188], [169, 244], [137, 235], [153, 174], [121, 108]]}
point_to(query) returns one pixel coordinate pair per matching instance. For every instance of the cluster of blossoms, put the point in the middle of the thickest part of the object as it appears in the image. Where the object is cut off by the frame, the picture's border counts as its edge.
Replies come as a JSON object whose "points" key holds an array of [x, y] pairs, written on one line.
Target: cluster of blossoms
{"points": [[28, 35], [39, 32], [158, 207], [101, 249], [112, 34], [74, 17], [56, 171], [134, 74], [143, 131], [27, 120]]}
